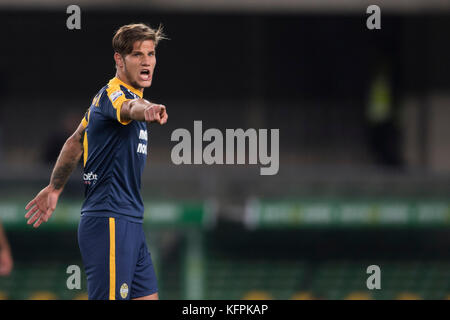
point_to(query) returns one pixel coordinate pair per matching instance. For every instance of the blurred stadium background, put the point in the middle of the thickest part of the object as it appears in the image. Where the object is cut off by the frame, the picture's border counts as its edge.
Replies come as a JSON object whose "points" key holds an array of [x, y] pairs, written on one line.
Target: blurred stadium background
{"points": [[363, 115]]}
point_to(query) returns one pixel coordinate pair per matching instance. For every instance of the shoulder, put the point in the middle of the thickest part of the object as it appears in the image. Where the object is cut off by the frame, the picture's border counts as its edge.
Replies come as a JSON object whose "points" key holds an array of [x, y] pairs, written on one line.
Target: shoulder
{"points": [[114, 92], [111, 101], [116, 95]]}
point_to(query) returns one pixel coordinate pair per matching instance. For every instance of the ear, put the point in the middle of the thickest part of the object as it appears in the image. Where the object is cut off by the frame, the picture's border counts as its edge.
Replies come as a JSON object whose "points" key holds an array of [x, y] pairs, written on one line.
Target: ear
{"points": [[118, 59]]}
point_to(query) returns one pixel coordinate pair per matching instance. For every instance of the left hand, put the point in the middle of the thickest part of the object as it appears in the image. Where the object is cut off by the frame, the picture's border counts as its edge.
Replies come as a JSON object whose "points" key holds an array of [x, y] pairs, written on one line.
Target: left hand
{"points": [[42, 206]]}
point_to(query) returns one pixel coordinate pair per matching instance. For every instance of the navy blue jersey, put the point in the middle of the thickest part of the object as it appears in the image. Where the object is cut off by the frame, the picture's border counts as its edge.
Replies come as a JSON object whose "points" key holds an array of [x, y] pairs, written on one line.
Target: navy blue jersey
{"points": [[115, 153]]}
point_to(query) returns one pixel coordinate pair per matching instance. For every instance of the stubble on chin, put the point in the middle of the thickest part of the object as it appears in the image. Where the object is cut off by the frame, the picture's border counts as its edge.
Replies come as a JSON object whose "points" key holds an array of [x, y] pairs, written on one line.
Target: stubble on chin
{"points": [[133, 83]]}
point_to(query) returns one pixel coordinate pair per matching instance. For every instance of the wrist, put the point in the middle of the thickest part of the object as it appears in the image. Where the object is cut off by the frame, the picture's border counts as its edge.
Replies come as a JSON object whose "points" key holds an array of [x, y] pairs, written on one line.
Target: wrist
{"points": [[51, 188]]}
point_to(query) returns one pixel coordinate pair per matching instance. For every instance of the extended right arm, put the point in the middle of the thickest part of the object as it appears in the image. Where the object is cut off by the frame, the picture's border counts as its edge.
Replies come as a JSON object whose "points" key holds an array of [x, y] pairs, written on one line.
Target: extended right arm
{"points": [[143, 110]]}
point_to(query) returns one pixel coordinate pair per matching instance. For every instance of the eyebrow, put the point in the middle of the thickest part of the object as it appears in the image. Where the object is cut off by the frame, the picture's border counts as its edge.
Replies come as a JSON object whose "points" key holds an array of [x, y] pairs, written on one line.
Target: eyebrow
{"points": [[137, 51]]}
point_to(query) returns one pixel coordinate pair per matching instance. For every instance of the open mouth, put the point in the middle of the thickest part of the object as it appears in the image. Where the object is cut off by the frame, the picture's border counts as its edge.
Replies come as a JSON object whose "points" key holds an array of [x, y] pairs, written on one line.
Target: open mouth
{"points": [[145, 74]]}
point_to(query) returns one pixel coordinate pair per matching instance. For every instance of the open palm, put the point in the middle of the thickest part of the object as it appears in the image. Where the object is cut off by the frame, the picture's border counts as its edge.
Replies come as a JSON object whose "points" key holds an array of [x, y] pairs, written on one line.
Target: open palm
{"points": [[40, 209]]}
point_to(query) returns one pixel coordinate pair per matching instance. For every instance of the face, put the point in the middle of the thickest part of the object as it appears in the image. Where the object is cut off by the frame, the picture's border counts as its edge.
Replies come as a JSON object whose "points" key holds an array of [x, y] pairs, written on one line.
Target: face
{"points": [[137, 67]]}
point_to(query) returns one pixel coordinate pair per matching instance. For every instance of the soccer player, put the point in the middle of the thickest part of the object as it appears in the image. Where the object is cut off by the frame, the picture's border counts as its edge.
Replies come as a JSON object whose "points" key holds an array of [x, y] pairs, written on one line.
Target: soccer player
{"points": [[112, 137]]}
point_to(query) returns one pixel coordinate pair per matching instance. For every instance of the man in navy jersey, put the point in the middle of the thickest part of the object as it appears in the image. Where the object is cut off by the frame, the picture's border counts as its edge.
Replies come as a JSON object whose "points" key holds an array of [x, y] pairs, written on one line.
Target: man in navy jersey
{"points": [[112, 137]]}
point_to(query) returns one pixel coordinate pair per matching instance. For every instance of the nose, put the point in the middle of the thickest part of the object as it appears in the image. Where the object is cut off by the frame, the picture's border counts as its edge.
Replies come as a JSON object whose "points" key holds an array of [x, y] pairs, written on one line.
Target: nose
{"points": [[146, 61]]}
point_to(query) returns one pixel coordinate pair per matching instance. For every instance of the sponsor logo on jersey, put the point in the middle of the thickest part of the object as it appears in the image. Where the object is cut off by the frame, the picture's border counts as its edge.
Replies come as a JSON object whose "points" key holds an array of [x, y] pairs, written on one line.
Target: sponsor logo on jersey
{"points": [[115, 95], [142, 148], [90, 178], [143, 135]]}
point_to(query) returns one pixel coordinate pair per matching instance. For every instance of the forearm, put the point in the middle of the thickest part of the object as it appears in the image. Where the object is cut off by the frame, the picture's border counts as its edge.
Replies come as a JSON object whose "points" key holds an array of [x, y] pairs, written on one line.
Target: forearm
{"points": [[67, 160], [137, 108], [143, 110]]}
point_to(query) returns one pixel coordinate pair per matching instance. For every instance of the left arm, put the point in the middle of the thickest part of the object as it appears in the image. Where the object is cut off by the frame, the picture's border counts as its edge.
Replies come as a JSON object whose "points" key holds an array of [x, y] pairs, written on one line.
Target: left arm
{"points": [[43, 205]]}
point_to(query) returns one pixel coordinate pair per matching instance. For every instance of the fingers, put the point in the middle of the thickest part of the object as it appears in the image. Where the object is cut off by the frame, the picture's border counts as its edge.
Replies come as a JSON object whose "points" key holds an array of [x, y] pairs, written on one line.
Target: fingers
{"points": [[157, 113], [39, 222], [148, 114], [157, 116], [162, 115], [164, 118], [38, 217], [31, 211], [32, 202], [44, 217], [34, 217], [48, 214], [41, 207]]}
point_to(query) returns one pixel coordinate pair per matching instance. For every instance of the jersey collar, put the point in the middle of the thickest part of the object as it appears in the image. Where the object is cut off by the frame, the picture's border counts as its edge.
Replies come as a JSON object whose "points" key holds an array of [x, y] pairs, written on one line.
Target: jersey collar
{"points": [[117, 81]]}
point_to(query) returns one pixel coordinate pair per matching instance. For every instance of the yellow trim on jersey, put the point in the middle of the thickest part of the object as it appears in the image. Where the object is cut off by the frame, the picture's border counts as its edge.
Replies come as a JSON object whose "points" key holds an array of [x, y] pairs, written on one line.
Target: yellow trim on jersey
{"points": [[116, 82], [112, 259], [117, 102], [96, 99], [84, 123], [85, 149], [117, 96]]}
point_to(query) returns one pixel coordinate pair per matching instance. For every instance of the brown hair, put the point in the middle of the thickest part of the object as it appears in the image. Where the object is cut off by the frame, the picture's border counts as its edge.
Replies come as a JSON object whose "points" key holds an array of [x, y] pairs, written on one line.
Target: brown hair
{"points": [[127, 35]]}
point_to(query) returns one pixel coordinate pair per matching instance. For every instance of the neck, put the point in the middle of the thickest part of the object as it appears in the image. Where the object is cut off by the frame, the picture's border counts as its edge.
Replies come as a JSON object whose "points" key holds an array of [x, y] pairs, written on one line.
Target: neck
{"points": [[124, 79]]}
